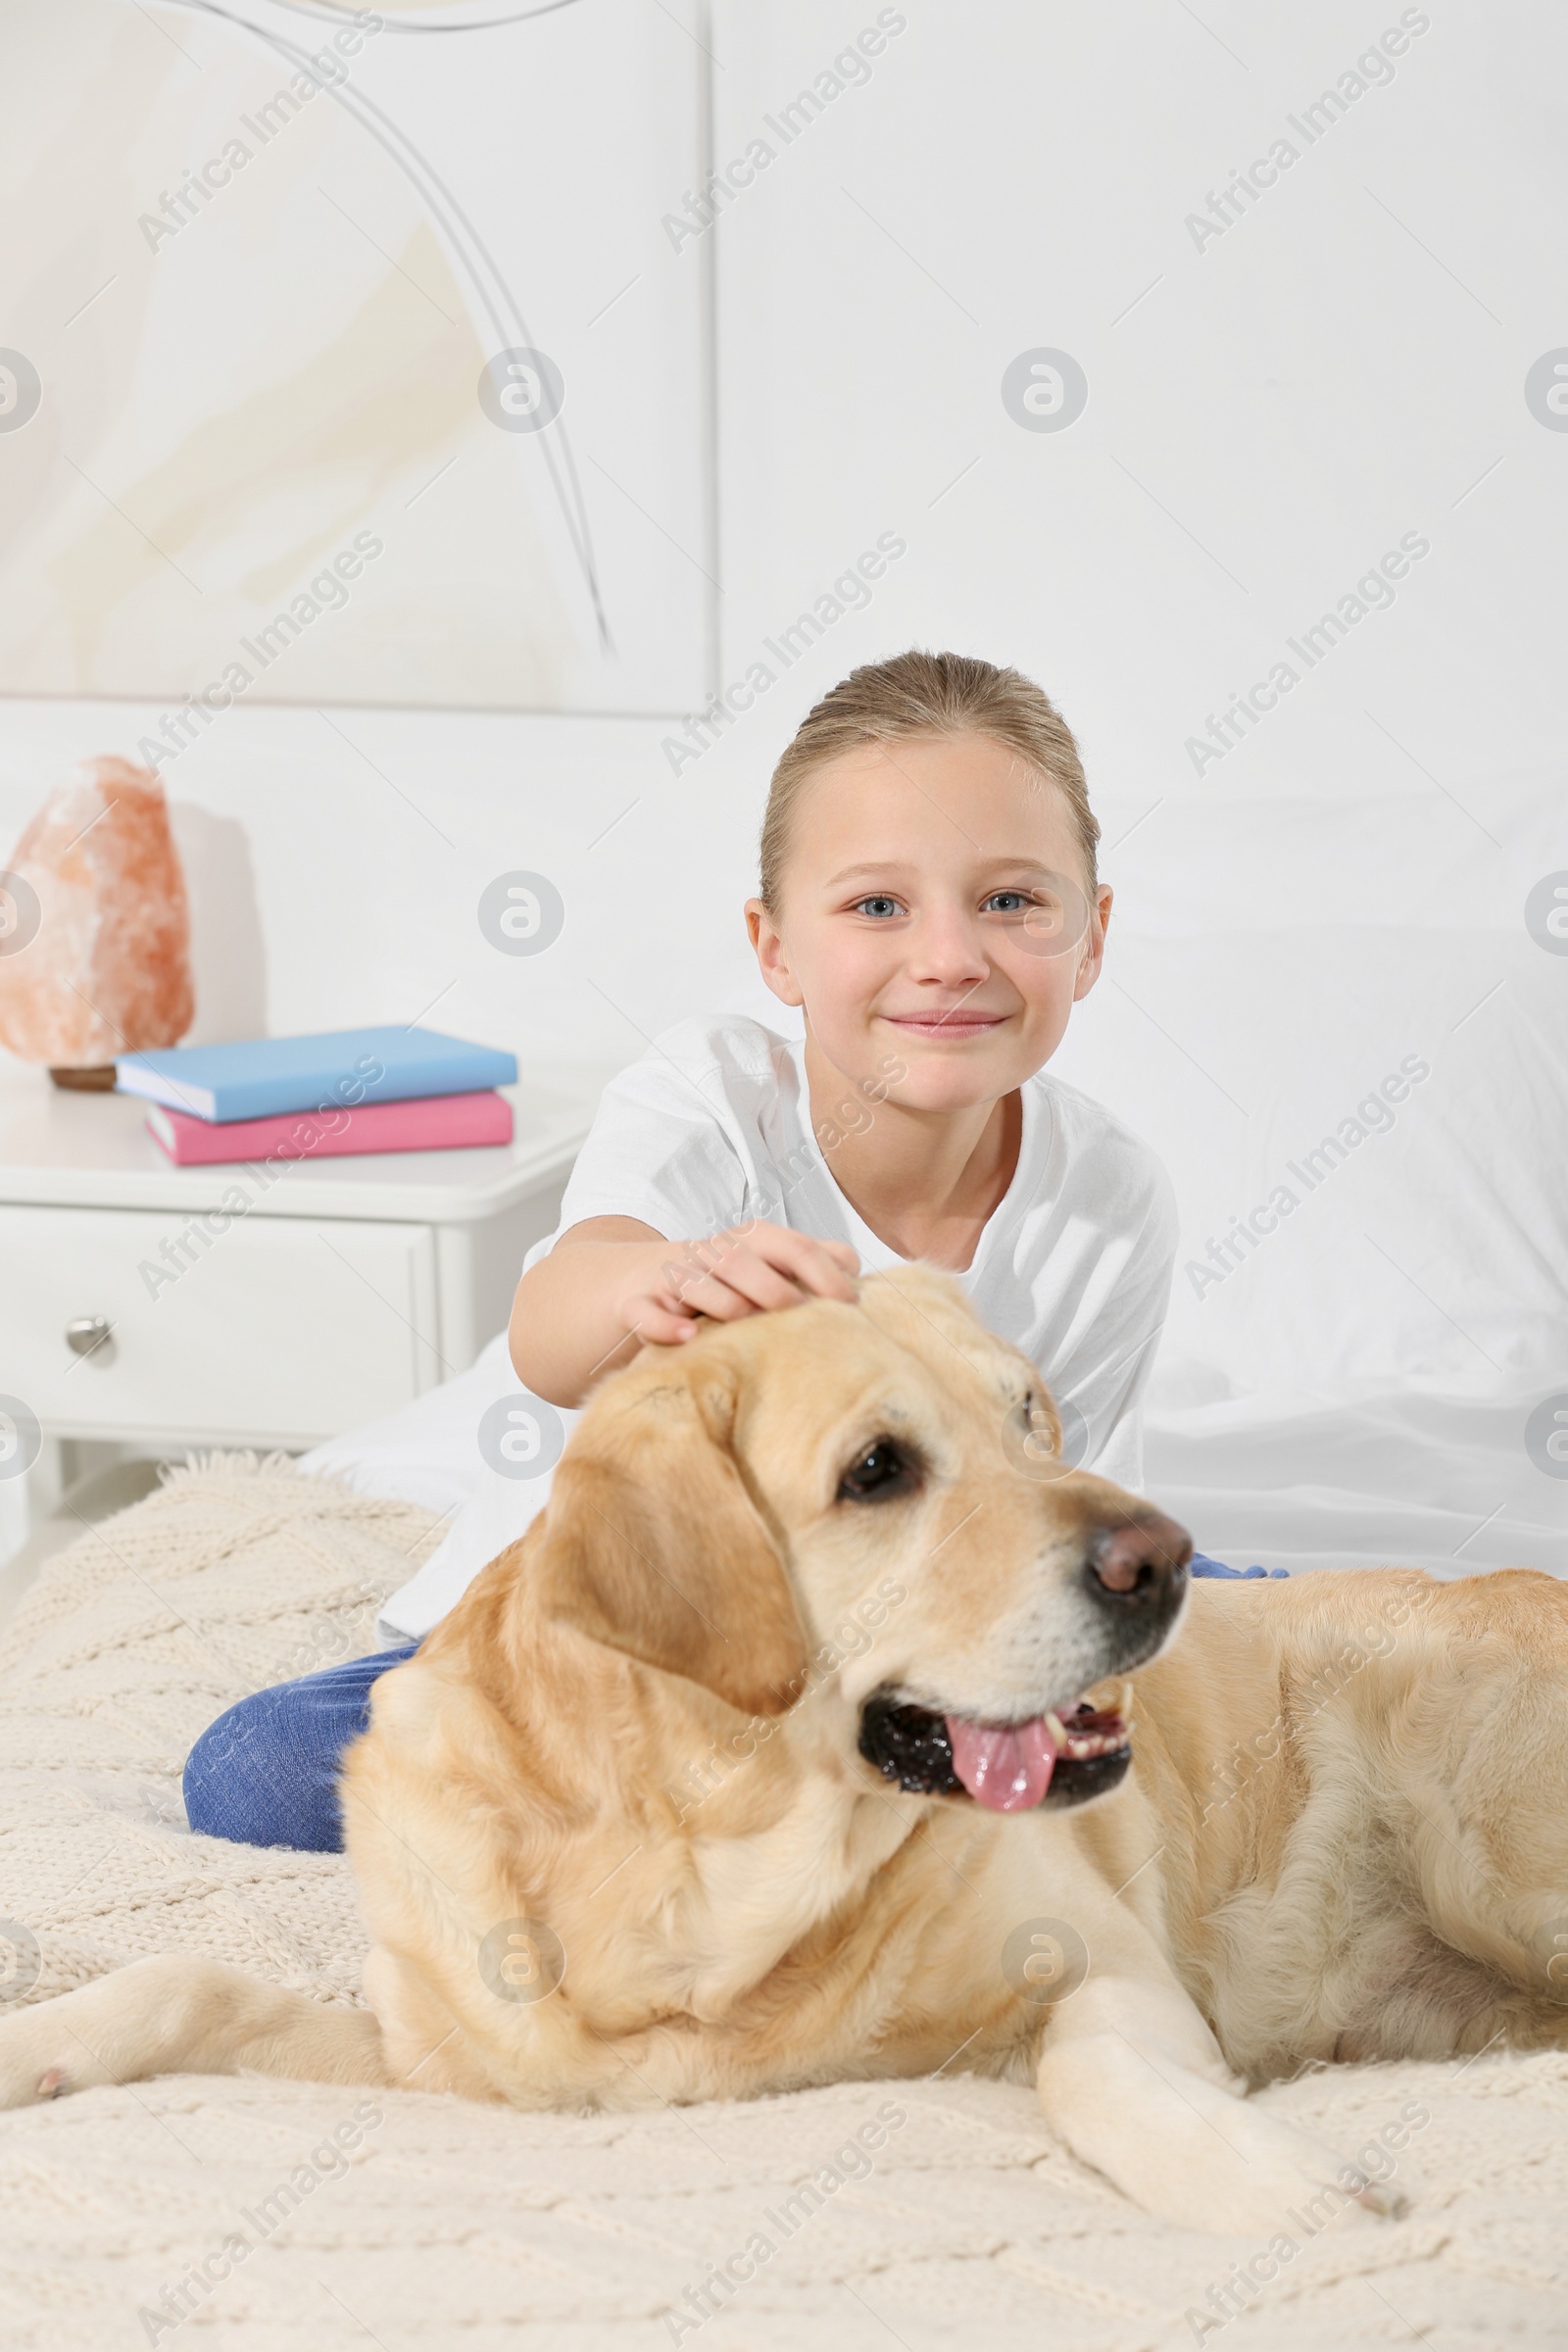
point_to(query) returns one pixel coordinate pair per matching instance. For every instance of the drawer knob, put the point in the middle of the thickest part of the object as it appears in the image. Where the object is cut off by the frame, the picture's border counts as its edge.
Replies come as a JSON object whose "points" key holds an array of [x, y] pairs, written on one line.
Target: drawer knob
{"points": [[88, 1333]]}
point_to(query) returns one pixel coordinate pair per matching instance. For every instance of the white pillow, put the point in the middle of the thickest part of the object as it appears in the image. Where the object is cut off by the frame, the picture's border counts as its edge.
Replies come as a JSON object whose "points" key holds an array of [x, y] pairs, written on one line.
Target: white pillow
{"points": [[1331, 1020]]}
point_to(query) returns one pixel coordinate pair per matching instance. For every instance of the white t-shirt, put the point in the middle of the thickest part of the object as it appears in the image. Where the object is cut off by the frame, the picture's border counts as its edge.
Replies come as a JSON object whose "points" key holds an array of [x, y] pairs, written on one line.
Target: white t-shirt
{"points": [[712, 1126]]}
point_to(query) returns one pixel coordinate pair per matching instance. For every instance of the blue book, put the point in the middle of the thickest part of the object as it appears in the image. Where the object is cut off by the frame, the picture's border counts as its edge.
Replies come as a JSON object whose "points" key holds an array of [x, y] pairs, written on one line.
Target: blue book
{"points": [[265, 1075]]}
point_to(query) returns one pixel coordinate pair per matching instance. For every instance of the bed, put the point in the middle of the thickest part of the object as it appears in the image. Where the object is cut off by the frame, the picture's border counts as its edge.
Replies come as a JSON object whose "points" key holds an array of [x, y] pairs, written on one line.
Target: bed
{"points": [[268, 2215]]}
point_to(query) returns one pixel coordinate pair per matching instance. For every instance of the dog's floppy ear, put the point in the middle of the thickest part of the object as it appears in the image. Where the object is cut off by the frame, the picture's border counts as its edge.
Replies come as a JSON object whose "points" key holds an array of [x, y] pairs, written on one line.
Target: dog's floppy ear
{"points": [[652, 1544]]}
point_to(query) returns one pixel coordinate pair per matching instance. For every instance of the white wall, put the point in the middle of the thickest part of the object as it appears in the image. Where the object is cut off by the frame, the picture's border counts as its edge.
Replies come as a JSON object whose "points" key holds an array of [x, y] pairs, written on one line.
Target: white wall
{"points": [[1266, 416]]}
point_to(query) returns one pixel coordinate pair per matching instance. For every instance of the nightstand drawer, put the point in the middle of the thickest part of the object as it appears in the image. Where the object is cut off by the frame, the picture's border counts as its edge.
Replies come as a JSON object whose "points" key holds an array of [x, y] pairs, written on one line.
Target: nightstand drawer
{"points": [[281, 1329]]}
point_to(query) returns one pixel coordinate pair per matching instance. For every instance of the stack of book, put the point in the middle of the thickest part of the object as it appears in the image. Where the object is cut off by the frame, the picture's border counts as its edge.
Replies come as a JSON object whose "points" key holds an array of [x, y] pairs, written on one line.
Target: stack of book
{"points": [[305, 1097]]}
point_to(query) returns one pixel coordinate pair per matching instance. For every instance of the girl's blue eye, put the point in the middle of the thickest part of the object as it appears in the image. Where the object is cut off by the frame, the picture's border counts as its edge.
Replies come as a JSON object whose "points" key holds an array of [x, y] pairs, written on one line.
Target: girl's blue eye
{"points": [[879, 906], [1015, 898]]}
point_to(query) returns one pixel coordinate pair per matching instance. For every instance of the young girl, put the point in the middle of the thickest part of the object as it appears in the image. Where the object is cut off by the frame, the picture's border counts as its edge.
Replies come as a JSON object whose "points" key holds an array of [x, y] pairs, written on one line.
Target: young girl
{"points": [[930, 903]]}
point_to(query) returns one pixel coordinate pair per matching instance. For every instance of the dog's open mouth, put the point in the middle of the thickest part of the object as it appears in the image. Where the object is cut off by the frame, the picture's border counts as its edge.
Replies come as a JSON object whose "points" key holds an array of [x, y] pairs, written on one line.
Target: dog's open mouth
{"points": [[1050, 1759]]}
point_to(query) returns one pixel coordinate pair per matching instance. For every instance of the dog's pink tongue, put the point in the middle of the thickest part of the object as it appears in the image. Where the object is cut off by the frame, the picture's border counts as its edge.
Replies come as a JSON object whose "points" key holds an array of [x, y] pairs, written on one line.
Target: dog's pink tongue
{"points": [[1008, 1767]]}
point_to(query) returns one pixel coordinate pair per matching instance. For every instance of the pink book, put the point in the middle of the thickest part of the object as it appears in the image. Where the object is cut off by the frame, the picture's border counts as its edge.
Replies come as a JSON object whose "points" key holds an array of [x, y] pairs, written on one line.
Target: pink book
{"points": [[422, 1123]]}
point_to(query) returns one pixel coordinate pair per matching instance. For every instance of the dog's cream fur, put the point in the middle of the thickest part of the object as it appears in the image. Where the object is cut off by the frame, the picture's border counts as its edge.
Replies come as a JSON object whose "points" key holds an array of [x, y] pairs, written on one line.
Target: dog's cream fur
{"points": [[1343, 1836]]}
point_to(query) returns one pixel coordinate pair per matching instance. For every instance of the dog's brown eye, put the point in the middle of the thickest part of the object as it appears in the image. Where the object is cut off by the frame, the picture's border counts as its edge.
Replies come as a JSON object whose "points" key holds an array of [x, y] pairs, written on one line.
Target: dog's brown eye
{"points": [[881, 1472]]}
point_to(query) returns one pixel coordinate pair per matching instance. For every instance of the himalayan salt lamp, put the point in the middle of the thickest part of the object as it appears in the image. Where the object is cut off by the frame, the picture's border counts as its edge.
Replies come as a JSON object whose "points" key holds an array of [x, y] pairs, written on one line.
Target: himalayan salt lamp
{"points": [[107, 970]]}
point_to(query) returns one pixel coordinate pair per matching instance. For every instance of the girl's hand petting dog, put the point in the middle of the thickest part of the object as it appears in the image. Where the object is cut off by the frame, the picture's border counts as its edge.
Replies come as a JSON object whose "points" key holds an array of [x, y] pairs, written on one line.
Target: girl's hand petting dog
{"points": [[745, 1271], [611, 1283]]}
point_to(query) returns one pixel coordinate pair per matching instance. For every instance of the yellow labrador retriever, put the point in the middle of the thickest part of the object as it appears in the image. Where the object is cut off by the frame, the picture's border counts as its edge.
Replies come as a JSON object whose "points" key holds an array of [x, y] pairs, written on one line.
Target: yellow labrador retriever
{"points": [[762, 1761]]}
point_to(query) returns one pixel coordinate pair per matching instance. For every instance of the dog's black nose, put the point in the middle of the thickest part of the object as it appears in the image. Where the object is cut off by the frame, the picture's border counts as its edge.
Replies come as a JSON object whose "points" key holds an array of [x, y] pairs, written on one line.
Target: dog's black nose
{"points": [[1143, 1561]]}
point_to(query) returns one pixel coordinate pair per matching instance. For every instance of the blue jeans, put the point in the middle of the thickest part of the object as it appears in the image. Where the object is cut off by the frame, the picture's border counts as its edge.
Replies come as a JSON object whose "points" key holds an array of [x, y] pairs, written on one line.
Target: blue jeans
{"points": [[265, 1773]]}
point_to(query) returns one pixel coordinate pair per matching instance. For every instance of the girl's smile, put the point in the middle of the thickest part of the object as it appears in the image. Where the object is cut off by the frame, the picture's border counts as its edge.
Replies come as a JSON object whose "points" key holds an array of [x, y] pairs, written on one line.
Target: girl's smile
{"points": [[944, 1028]]}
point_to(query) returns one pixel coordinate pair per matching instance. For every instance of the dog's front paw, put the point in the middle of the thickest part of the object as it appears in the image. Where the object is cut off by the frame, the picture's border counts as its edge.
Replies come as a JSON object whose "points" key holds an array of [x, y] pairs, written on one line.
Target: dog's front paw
{"points": [[1296, 2185], [1390, 2204], [1189, 2147]]}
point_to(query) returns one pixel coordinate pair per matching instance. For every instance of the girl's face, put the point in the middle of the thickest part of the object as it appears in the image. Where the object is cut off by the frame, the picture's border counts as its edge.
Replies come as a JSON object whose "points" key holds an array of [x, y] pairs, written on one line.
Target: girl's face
{"points": [[934, 913]]}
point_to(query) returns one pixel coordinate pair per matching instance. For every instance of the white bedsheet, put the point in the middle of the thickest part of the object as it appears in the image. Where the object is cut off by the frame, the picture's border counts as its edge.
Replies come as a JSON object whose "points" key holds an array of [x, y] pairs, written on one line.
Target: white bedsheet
{"points": [[1426, 1475], [429, 1454]]}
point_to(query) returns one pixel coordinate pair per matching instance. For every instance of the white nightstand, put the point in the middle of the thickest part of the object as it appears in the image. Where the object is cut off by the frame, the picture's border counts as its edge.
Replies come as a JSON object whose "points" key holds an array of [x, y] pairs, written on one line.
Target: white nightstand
{"points": [[247, 1304]]}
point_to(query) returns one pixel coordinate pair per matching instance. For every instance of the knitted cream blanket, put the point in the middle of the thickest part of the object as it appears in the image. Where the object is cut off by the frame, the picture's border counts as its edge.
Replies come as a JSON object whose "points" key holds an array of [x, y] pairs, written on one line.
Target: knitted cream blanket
{"points": [[262, 2215]]}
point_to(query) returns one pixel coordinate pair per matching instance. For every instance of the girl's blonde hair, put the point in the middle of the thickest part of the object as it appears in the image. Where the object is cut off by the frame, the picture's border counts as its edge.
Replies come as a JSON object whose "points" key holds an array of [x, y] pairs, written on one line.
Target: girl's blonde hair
{"points": [[925, 694]]}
